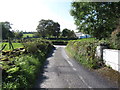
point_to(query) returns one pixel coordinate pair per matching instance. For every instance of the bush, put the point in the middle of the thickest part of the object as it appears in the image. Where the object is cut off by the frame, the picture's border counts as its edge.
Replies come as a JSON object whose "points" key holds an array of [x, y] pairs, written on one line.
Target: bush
{"points": [[20, 71], [84, 52], [37, 46], [115, 38]]}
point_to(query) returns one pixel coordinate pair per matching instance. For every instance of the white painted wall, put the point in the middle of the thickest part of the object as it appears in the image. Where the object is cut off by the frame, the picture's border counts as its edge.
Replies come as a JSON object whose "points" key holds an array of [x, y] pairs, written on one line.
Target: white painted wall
{"points": [[112, 58], [99, 51]]}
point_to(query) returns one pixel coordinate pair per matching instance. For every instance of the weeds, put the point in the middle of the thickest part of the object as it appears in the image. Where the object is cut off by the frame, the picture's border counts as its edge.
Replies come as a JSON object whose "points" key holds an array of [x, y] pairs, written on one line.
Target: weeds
{"points": [[84, 51], [20, 71]]}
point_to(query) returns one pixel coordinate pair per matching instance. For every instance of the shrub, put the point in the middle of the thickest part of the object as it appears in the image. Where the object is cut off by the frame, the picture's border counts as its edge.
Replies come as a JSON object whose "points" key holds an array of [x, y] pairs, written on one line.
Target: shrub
{"points": [[37, 46], [115, 38], [84, 52], [20, 71]]}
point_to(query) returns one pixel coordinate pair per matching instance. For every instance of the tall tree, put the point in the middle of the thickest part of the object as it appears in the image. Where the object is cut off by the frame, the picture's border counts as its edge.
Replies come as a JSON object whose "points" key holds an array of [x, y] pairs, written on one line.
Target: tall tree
{"points": [[48, 28], [6, 32], [98, 19], [18, 34], [68, 33]]}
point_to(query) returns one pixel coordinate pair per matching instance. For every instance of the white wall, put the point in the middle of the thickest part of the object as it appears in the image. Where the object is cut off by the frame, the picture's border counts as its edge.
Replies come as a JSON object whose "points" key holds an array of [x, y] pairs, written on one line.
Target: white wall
{"points": [[99, 51], [112, 58]]}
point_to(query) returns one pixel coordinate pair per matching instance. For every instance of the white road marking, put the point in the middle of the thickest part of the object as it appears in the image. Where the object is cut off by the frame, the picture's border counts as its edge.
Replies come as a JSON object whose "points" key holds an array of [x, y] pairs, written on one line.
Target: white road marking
{"points": [[84, 82], [67, 57], [74, 69], [70, 63], [68, 60]]}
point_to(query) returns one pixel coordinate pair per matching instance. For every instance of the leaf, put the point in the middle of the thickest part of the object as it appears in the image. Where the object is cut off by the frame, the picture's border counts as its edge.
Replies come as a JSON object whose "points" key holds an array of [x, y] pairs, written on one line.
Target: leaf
{"points": [[13, 70]]}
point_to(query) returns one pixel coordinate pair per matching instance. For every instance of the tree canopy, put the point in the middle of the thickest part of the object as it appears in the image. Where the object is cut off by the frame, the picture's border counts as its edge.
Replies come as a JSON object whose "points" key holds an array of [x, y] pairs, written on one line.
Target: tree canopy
{"points": [[98, 19], [18, 34], [6, 26], [47, 28], [68, 33]]}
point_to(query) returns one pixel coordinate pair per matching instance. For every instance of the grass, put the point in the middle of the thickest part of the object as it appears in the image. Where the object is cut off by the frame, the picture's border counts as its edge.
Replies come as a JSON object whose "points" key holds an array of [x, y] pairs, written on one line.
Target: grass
{"points": [[25, 35], [23, 74], [83, 50], [85, 39], [15, 45], [21, 71]]}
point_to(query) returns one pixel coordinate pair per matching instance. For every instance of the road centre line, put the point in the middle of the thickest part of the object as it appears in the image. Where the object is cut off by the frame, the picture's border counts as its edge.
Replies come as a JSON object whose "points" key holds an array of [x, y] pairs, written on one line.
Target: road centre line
{"points": [[70, 63], [67, 57], [74, 69], [85, 82], [68, 60]]}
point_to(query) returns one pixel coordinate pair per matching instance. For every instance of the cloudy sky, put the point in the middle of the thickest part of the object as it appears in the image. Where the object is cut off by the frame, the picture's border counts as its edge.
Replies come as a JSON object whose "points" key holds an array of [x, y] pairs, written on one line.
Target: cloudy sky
{"points": [[25, 14]]}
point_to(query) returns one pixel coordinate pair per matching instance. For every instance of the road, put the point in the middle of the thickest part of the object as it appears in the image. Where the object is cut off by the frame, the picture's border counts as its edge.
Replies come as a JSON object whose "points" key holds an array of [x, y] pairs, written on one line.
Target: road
{"points": [[60, 71]]}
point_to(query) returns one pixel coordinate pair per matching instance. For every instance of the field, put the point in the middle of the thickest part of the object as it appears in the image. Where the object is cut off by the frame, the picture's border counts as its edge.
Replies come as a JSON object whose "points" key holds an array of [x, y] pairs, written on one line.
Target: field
{"points": [[85, 39], [25, 35], [15, 45]]}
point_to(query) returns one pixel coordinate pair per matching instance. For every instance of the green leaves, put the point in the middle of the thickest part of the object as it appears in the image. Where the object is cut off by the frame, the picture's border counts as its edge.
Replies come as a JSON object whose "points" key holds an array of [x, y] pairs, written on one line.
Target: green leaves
{"points": [[6, 26], [20, 71], [96, 18], [84, 51], [68, 33], [47, 28], [12, 70]]}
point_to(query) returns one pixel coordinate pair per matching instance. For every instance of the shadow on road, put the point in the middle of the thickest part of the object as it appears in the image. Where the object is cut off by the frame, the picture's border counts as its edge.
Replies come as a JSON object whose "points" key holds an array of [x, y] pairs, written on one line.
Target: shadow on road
{"points": [[41, 77]]}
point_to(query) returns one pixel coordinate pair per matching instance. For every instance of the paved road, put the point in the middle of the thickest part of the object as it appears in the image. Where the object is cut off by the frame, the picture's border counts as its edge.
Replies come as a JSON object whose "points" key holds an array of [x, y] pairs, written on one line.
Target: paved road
{"points": [[60, 71]]}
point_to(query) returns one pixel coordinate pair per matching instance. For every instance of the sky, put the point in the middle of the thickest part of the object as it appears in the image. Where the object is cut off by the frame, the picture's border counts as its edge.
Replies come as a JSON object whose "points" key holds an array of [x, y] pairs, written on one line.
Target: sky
{"points": [[26, 14]]}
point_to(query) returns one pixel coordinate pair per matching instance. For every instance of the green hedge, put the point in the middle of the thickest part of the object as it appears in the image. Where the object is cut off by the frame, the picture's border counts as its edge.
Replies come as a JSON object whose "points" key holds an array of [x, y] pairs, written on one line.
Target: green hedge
{"points": [[20, 71], [84, 52], [115, 39], [60, 42]]}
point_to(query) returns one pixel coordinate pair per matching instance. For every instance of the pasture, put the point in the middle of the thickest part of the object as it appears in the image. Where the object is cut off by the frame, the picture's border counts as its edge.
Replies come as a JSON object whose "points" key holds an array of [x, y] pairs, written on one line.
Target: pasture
{"points": [[27, 35], [15, 45]]}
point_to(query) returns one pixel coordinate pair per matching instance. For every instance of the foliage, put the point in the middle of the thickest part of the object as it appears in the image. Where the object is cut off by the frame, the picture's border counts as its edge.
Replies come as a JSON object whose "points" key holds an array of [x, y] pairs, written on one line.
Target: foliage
{"points": [[48, 28], [37, 46], [6, 26], [84, 51], [59, 42], [18, 34], [98, 19], [115, 38], [21, 71], [68, 33]]}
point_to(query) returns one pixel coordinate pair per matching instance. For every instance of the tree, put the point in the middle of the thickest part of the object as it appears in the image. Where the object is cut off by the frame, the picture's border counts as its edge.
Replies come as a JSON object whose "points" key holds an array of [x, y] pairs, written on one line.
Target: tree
{"points": [[48, 28], [98, 19], [68, 33], [18, 34], [6, 33]]}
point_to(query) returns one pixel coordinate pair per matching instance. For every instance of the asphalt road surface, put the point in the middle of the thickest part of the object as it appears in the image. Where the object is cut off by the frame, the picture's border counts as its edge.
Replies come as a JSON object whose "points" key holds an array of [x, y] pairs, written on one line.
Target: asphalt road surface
{"points": [[60, 71]]}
